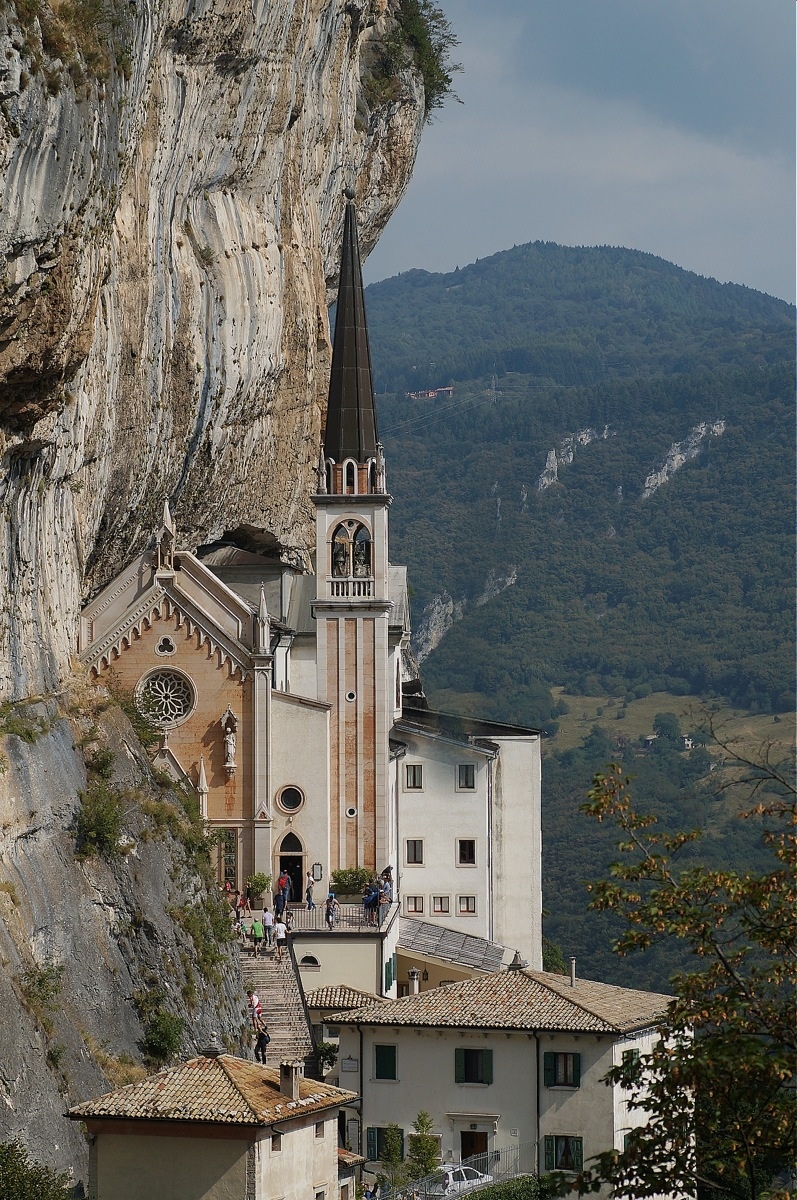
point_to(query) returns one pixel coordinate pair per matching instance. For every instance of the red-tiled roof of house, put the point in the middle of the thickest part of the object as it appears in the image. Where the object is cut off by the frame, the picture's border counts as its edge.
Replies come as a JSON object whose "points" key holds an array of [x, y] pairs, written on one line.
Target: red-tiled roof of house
{"points": [[221, 1090], [531, 1000], [340, 996]]}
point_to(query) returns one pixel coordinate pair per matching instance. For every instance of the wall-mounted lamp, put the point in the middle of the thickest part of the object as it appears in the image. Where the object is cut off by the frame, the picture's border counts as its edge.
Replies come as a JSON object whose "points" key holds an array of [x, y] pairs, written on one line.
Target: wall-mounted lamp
{"points": [[425, 975], [318, 872]]}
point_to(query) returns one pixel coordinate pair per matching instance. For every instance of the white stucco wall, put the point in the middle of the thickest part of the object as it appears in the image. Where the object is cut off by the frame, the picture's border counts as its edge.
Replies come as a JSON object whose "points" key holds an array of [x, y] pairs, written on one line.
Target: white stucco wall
{"points": [[300, 757], [355, 960], [304, 1165], [517, 847], [136, 1167], [506, 1109], [303, 670], [439, 815]]}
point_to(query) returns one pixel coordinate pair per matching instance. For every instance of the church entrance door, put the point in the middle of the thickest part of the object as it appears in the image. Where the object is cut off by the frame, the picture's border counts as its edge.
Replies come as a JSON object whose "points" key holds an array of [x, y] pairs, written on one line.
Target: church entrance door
{"points": [[293, 864]]}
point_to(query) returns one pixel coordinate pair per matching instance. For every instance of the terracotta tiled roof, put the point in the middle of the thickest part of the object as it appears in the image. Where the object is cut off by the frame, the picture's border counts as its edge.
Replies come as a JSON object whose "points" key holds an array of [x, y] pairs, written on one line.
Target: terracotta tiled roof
{"points": [[340, 997], [224, 1090], [520, 1000], [347, 1159], [449, 945]]}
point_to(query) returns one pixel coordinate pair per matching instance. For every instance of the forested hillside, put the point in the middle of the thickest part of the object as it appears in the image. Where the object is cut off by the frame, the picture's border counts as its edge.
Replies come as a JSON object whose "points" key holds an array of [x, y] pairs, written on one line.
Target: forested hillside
{"points": [[651, 551]]}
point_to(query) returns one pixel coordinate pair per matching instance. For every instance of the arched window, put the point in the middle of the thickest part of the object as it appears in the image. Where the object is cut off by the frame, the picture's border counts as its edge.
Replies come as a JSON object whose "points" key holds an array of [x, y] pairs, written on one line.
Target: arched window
{"points": [[362, 553], [350, 477], [290, 844], [309, 960], [341, 552]]}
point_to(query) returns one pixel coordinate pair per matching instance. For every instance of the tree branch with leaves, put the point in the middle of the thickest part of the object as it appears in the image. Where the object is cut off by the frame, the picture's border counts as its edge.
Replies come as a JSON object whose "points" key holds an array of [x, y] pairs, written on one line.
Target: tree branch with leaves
{"points": [[716, 1094]]}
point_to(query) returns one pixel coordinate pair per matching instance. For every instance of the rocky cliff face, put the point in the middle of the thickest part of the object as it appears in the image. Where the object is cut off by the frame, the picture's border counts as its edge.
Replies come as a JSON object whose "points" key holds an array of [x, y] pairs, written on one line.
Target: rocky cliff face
{"points": [[170, 234], [170, 213]]}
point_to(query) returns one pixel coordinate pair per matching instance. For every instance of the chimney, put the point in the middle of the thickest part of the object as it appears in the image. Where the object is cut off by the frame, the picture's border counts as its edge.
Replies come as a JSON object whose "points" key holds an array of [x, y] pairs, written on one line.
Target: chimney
{"points": [[213, 1050], [414, 976], [290, 1074], [572, 972]]}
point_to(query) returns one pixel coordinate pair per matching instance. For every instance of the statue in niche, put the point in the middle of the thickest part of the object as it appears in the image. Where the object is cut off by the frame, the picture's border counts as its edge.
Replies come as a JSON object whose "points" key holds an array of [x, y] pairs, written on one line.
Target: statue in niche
{"points": [[340, 557], [229, 748]]}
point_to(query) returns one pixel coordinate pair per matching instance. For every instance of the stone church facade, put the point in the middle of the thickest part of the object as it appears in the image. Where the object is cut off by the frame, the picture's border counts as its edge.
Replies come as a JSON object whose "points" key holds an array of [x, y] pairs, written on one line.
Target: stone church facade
{"points": [[278, 696]]}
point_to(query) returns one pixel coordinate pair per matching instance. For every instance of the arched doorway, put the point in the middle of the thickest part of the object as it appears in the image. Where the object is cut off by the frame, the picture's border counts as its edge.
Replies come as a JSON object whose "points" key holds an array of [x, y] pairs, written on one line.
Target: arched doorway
{"points": [[291, 859]]}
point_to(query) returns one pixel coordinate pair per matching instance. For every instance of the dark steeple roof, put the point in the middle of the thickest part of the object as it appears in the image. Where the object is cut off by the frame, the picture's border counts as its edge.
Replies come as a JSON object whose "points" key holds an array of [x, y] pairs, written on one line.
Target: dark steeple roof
{"points": [[351, 412]]}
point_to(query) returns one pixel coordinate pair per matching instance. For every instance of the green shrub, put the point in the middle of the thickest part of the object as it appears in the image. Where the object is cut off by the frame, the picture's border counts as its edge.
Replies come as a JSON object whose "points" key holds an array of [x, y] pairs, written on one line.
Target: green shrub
{"points": [[163, 1030], [259, 883], [23, 1179], [162, 1035], [423, 35], [101, 763], [41, 987], [98, 822], [326, 1055], [350, 880]]}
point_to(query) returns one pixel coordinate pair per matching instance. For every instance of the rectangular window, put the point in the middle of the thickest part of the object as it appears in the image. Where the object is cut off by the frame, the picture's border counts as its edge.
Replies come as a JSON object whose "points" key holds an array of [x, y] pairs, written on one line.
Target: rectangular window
{"points": [[467, 906], [473, 1066], [466, 852], [276, 1143], [414, 850], [385, 1062], [561, 1070], [319, 1129], [414, 776], [320, 1196], [630, 1057], [564, 1153], [441, 904], [413, 904], [344, 1191], [466, 777], [375, 1142]]}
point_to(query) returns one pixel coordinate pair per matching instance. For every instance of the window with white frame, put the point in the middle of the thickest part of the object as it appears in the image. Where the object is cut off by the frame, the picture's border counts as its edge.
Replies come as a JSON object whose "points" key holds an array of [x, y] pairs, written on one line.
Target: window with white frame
{"points": [[561, 1069], [441, 904], [466, 852], [413, 776], [563, 1153], [466, 777], [466, 906]]}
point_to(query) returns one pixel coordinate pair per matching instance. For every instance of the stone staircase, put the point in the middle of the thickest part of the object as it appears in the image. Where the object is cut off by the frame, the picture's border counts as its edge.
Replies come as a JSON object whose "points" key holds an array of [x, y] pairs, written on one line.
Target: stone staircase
{"points": [[277, 985]]}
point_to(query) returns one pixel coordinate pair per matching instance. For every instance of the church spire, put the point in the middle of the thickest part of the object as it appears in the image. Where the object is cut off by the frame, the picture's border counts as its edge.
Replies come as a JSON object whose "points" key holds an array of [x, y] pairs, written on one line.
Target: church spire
{"points": [[351, 412]]}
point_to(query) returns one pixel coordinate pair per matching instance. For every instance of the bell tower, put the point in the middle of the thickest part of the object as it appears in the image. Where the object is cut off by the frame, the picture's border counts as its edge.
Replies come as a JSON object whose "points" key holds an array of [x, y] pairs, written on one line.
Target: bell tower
{"points": [[352, 606]]}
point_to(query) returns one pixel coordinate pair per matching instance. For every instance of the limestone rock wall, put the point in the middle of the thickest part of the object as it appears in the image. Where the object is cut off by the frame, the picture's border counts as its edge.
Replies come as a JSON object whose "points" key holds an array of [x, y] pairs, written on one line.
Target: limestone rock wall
{"points": [[169, 236], [81, 941]]}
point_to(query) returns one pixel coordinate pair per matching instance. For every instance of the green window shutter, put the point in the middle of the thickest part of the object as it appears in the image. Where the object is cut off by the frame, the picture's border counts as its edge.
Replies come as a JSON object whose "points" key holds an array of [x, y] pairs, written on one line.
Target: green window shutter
{"points": [[576, 1070], [459, 1065], [370, 1137], [385, 1062], [487, 1066], [578, 1153], [549, 1070], [549, 1149]]}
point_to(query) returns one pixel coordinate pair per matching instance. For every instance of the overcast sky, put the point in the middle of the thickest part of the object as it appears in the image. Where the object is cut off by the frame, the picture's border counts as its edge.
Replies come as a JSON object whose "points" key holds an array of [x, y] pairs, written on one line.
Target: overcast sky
{"points": [[662, 125]]}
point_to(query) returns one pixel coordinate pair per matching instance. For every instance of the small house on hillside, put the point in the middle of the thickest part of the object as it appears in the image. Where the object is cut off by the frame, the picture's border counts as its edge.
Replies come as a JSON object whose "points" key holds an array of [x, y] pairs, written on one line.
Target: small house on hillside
{"points": [[511, 1062], [218, 1128]]}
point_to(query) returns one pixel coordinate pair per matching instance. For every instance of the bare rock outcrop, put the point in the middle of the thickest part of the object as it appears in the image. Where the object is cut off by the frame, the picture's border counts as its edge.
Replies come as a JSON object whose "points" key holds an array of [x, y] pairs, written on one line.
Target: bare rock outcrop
{"points": [[171, 210]]}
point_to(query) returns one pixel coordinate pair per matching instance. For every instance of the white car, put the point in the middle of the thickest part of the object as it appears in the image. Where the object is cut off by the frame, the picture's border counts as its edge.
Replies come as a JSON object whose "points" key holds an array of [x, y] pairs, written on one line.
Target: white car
{"points": [[454, 1181]]}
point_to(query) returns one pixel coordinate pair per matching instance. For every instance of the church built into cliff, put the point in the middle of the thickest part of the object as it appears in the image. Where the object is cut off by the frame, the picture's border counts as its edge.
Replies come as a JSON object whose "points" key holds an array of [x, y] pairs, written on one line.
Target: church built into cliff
{"points": [[284, 700]]}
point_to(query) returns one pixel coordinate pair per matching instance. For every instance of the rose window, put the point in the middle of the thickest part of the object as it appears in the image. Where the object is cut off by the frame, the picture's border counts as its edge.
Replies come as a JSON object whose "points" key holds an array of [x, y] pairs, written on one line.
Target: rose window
{"points": [[165, 698]]}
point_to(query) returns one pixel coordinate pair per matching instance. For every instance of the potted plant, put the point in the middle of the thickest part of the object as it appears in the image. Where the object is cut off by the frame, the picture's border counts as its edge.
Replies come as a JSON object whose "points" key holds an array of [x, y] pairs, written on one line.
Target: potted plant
{"points": [[348, 883], [258, 885]]}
